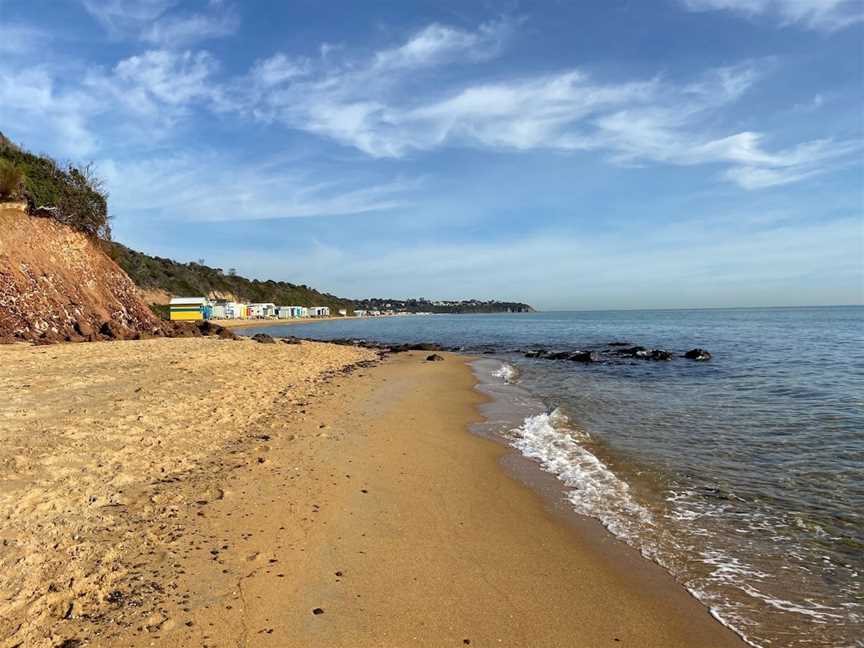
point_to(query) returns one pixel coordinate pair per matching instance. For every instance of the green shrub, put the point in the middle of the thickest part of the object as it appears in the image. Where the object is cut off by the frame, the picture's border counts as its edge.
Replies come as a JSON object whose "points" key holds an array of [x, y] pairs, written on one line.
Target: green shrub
{"points": [[11, 180], [73, 195]]}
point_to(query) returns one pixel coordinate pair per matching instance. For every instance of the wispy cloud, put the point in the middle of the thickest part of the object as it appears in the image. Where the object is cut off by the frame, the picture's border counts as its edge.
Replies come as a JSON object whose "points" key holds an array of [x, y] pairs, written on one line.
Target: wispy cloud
{"points": [[181, 30], [826, 15], [20, 39], [630, 122], [378, 104], [437, 44], [124, 17], [195, 187], [41, 111], [153, 21]]}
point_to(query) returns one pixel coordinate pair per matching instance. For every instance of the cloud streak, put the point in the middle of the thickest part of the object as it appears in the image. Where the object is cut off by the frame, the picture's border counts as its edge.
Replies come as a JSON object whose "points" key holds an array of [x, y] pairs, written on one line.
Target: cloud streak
{"points": [[210, 188], [824, 15], [629, 122]]}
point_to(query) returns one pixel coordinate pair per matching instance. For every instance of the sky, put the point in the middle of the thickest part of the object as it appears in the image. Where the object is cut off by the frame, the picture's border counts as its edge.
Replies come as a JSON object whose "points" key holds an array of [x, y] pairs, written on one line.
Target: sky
{"points": [[572, 155]]}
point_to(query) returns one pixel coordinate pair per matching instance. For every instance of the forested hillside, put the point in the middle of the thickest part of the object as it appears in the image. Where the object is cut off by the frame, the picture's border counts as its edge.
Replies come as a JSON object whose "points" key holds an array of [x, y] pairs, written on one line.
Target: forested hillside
{"points": [[156, 273]]}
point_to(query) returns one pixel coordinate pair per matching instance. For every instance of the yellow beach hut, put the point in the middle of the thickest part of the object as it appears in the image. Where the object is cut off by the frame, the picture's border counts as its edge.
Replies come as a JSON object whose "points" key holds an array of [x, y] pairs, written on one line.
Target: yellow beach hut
{"points": [[189, 308]]}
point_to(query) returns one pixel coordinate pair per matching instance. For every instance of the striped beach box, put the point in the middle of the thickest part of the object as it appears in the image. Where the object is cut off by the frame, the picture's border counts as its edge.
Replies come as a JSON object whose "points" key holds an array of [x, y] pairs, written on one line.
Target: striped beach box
{"points": [[189, 308]]}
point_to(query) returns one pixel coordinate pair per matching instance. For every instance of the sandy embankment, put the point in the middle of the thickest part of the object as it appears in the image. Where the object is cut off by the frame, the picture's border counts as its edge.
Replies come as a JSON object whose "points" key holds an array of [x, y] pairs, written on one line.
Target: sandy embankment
{"points": [[363, 515]]}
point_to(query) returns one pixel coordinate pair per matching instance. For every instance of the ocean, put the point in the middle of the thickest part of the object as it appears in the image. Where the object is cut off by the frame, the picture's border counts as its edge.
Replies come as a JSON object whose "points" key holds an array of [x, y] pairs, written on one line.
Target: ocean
{"points": [[743, 475]]}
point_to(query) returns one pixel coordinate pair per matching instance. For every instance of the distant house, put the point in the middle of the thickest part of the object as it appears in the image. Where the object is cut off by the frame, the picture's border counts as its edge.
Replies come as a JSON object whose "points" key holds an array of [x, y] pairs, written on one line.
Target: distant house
{"points": [[190, 308]]}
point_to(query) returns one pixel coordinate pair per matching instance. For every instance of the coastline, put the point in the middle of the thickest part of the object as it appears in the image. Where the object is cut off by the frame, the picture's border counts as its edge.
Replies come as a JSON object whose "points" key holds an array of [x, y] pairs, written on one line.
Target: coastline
{"points": [[248, 323], [370, 502]]}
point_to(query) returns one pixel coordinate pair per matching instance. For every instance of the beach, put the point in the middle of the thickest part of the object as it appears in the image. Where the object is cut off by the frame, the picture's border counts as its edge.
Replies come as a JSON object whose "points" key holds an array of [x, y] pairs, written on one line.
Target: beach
{"points": [[226, 493]]}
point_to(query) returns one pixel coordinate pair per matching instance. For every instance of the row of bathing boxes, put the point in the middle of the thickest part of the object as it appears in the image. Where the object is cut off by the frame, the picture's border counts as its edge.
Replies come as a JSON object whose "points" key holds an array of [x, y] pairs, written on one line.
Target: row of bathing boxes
{"points": [[201, 308]]}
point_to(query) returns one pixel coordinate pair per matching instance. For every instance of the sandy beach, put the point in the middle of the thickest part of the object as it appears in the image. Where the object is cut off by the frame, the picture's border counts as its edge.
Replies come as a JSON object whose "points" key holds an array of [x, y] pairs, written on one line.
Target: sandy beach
{"points": [[247, 323], [227, 493]]}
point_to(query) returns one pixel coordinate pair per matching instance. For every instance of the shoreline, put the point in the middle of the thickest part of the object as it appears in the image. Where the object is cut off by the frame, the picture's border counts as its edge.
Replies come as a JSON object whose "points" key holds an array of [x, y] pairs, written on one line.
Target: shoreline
{"points": [[371, 485]]}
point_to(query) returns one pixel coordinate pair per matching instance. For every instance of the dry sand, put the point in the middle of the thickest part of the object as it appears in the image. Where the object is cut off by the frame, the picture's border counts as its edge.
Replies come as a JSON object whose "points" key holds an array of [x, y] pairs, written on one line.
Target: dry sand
{"points": [[353, 513], [105, 448]]}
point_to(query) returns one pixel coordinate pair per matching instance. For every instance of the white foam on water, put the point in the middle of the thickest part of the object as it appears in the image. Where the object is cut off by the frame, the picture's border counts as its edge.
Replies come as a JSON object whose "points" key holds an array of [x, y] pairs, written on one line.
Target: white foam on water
{"points": [[595, 491], [507, 373]]}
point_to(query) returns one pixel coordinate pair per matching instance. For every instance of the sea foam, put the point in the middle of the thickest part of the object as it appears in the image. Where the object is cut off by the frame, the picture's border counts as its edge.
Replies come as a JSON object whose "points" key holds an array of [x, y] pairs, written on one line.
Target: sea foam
{"points": [[507, 372], [595, 490]]}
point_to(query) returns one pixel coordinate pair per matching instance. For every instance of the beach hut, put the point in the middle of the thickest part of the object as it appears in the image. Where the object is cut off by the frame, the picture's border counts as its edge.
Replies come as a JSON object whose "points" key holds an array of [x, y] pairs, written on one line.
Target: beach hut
{"points": [[285, 312], [235, 310], [262, 310], [219, 311], [189, 308], [319, 311]]}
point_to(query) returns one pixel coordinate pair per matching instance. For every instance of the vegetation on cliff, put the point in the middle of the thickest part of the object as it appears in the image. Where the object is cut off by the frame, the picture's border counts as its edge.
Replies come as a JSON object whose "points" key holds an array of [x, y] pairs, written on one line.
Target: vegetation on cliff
{"points": [[156, 273], [70, 194]]}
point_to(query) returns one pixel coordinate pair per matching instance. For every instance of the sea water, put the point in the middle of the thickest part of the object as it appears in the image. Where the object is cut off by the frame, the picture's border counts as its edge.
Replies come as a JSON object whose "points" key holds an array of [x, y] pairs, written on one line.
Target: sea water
{"points": [[743, 476]]}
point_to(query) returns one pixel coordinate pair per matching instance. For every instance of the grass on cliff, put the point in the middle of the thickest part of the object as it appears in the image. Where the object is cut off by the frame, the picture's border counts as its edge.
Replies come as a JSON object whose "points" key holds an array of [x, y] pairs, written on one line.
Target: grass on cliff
{"points": [[72, 195]]}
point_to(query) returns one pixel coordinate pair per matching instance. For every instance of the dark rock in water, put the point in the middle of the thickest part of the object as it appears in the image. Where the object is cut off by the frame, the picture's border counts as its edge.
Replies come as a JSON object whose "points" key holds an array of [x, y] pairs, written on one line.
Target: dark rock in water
{"points": [[631, 351], [434, 358], [538, 353], [263, 338], [697, 354], [644, 354], [558, 355], [619, 344], [657, 354], [290, 340], [585, 356]]}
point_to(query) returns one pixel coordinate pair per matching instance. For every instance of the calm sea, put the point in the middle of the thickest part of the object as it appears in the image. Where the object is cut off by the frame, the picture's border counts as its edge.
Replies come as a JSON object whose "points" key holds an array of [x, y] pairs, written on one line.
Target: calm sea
{"points": [[743, 476]]}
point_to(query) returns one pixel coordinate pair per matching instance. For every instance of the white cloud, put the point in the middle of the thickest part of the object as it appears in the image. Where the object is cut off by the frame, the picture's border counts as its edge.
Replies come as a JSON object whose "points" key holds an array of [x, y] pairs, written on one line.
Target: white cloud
{"points": [[437, 44], [630, 122], [153, 22], [121, 17], [826, 15], [278, 69], [177, 31], [210, 187], [20, 39], [40, 112], [168, 77], [376, 104]]}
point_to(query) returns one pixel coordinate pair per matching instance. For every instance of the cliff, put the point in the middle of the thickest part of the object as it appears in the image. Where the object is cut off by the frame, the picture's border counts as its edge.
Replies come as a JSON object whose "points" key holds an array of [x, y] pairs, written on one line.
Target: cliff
{"points": [[58, 284]]}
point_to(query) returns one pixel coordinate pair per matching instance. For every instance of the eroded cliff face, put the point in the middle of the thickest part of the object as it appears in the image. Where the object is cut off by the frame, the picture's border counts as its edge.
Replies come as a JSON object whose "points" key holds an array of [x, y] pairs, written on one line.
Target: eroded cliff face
{"points": [[57, 284]]}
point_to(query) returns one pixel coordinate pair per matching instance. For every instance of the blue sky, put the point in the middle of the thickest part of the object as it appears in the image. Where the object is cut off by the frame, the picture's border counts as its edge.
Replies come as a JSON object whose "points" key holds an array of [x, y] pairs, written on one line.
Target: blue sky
{"points": [[596, 154]]}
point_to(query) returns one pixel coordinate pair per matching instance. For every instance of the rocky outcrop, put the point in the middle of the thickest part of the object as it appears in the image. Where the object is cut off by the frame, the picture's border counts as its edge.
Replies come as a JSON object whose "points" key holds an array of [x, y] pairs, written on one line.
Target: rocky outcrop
{"points": [[698, 354], [56, 284]]}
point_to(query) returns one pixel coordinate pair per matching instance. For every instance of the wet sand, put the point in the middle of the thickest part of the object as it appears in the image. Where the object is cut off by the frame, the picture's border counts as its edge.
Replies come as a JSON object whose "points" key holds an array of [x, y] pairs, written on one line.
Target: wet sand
{"points": [[362, 513]]}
